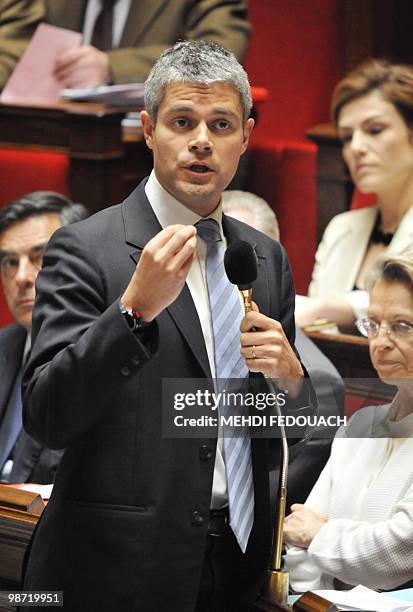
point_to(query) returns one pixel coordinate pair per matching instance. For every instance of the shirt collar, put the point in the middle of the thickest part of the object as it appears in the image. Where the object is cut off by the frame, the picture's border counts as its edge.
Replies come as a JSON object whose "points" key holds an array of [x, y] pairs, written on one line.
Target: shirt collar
{"points": [[169, 211]]}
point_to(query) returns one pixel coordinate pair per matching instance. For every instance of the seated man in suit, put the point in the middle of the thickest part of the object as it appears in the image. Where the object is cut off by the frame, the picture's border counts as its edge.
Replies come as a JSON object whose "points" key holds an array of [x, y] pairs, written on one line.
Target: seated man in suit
{"points": [[123, 38], [25, 228], [127, 300], [308, 457]]}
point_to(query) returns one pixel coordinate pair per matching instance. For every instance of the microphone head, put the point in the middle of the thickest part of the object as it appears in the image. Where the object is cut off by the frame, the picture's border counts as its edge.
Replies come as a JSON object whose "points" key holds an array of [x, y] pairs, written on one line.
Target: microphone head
{"points": [[241, 264]]}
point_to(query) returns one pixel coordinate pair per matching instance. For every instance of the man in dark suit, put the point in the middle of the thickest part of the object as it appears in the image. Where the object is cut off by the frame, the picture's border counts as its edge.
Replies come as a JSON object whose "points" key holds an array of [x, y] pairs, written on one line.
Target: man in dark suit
{"points": [[25, 228], [139, 30], [139, 520]]}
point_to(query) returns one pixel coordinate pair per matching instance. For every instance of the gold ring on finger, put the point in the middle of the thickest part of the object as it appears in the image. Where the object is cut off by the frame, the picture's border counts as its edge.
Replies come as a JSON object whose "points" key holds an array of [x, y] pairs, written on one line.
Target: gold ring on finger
{"points": [[253, 355]]}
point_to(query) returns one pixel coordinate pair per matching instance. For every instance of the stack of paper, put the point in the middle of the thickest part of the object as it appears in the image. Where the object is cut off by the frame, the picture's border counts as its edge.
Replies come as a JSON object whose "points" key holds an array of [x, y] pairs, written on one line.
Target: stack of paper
{"points": [[362, 598], [130, 94]]}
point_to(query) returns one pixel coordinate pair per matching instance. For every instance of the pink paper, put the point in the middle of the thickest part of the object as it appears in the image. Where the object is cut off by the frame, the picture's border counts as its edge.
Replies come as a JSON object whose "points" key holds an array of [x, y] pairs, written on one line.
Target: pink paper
{"points": [[32, 80]]}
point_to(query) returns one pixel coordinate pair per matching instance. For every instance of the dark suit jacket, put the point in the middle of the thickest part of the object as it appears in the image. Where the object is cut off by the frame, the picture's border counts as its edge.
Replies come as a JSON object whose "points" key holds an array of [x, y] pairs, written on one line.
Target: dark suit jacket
{"points": [[309, 456], [32, 462], [154, 25], [126, 525]]}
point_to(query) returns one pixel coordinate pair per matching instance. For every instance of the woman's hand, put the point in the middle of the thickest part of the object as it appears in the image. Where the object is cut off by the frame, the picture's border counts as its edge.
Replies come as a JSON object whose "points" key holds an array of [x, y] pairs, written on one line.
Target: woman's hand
{"points": [[302, 525]]}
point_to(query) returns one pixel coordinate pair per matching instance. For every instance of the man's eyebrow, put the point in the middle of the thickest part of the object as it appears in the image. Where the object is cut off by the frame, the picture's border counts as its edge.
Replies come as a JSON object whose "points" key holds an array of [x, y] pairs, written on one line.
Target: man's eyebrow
{"points": [[190, 109], [34, 247], [40, 245]]}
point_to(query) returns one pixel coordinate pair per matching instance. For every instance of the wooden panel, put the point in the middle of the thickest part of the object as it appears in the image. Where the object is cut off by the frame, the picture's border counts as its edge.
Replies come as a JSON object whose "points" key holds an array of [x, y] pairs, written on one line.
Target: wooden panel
{"points": [[91, 136], [334, 185]]}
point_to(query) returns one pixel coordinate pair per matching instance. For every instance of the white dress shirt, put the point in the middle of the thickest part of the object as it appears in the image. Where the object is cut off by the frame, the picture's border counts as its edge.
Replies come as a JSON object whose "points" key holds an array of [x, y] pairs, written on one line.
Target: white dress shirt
{"points": [[169, 211], [120, 15]]}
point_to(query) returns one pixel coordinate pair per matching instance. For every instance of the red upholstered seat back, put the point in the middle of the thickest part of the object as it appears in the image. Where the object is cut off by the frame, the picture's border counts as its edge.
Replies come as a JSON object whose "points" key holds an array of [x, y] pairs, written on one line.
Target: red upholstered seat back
{"points": [[23, 171], [283, 173], [295, 52]]}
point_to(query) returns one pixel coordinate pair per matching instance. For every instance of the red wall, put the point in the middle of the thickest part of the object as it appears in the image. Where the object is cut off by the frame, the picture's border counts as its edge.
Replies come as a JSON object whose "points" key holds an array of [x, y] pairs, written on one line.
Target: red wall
{"points": [[295, 52]]}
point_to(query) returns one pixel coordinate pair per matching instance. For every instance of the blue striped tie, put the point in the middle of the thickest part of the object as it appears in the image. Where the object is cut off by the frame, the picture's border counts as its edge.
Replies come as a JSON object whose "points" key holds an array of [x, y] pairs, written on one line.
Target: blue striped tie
{"points": [[226, 315]]}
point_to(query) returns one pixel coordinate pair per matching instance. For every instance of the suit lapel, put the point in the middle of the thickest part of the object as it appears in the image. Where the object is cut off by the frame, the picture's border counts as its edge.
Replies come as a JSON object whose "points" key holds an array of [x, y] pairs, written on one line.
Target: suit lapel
{"points": [[141, 14], [357, 245], [11, 354], [140, 226], [58, 13], [403, 237], [26, 455]]}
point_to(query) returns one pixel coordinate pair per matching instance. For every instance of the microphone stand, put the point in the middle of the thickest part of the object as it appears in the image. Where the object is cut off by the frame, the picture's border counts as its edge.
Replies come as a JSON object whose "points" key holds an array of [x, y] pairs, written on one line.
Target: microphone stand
{"points": [[275, 595], [277, 580]]}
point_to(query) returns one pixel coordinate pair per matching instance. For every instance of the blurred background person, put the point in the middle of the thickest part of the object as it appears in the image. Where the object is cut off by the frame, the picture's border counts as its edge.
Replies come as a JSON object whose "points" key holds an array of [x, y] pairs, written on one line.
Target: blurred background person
{"points": [[18, 21], [26, 226], [356, 526], [123, 38], [307, 457], [372, 108]]}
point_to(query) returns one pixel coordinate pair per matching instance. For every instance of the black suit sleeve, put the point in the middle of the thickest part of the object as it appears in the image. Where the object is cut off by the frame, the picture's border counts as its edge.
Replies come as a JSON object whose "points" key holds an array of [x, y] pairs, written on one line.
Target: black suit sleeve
{"points": [[83, 348]]}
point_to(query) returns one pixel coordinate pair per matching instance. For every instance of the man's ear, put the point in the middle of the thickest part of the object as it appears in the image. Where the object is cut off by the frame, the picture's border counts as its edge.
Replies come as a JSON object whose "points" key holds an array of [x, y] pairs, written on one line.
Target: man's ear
{"points": [[148, 128], [249, 124]]}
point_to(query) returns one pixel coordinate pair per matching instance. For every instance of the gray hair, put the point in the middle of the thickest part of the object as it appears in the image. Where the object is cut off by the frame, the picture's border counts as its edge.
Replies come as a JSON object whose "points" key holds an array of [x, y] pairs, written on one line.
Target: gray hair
{"points": [[264, 218], [392, 268], [200, 62]]}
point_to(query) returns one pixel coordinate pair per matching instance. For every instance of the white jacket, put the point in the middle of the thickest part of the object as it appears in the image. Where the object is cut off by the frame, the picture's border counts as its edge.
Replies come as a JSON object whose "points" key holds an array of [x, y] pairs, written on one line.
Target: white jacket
{"points": [[341, 252], [366, 492]]}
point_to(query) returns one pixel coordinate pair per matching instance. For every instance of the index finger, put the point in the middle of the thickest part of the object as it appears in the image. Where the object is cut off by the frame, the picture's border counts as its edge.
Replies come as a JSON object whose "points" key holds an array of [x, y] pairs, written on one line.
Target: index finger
{"points": [[163, 237], [67, 58], [258, 320]]}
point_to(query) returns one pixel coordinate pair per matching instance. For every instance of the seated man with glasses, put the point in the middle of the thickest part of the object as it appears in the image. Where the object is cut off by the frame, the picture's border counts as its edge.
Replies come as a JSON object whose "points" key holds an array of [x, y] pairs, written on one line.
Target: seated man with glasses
{"points": [[26, 226], [357, 523]]}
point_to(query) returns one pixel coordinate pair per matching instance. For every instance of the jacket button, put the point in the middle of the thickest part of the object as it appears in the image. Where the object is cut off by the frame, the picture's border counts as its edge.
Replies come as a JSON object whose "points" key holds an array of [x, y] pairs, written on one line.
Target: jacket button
{"points": [[206, 452], [135, 360], [197, 518], [125, 371]]}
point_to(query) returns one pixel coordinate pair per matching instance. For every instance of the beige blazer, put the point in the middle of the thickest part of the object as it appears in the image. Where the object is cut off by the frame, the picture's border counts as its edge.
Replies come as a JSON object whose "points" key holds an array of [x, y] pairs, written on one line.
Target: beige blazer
{"points": [[341, 251], [154, 25], [18, 21]]}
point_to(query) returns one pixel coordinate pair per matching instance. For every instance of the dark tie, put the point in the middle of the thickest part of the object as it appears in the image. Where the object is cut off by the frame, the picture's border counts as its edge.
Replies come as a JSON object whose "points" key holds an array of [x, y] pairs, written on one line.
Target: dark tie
{"points": [[12, 422], [226, 314], [102, 32]]}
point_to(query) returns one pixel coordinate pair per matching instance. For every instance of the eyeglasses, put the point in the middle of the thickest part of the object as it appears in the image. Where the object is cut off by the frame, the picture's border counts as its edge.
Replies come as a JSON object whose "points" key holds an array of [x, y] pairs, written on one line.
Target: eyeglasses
{"points": [[370, 328], [9, 263]]}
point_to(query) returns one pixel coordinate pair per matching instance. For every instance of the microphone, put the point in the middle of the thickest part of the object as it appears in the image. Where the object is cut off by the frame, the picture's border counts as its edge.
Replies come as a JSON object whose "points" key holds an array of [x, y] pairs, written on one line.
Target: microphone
{"points": [[241, 266]]}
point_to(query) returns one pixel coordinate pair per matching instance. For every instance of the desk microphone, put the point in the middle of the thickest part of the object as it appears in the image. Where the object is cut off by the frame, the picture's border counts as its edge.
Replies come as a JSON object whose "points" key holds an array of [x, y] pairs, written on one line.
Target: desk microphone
{"points": [[241, 266]]}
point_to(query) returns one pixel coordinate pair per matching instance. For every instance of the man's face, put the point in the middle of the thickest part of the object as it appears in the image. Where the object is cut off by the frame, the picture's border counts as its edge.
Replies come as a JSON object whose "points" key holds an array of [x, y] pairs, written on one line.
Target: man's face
{"points": [[197, 141], [21, 251]]}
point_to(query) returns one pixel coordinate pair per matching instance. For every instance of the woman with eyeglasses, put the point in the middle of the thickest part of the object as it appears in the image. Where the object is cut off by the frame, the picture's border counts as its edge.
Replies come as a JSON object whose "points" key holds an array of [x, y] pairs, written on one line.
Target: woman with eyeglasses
{"points": [[356, 526], [372, 108]]}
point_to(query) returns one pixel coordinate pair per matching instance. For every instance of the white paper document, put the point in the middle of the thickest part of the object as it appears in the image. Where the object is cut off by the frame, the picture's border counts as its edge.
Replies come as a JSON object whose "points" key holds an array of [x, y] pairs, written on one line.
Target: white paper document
{"points": [[362, 598], [32, 80]]}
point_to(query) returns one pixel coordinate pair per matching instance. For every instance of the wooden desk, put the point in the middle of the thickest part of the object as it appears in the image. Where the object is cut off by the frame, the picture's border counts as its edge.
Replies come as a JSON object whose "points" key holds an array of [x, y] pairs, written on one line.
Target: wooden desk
{"points": [[16, 528], [350, 355], [334, 185], [102, 168]]}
